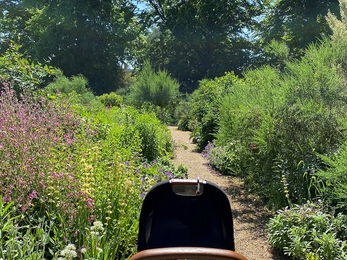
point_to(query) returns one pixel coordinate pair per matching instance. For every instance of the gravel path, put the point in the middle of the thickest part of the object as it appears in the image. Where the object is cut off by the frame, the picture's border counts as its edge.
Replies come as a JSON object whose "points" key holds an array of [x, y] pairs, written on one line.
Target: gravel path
{"points": [[250, 217]]}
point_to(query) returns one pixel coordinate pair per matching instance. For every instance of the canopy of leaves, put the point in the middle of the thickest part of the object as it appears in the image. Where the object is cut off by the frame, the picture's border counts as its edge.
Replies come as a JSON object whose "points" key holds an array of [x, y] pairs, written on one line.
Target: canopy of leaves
{"points": [[21, 73], [297, 23], [198, 39], [79, 37]]}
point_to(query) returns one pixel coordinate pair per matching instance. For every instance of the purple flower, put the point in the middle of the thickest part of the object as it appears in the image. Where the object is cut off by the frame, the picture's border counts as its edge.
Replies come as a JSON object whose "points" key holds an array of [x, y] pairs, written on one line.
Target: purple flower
{"points": [[32, 195], [169, 174]]}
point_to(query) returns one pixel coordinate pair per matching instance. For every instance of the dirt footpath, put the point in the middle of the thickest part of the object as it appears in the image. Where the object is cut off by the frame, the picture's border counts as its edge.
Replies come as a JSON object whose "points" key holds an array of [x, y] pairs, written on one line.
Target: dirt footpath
{"points": [[250, 217]]}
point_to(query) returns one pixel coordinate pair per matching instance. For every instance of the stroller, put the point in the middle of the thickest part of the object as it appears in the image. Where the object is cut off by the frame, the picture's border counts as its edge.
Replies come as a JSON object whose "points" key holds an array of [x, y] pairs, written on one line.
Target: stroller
{"points": [[186, 219]]}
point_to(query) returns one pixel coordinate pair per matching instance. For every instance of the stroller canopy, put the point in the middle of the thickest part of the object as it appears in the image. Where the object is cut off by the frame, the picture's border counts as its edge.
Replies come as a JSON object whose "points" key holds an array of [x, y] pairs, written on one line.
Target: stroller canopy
{"points": [[186, 213]]}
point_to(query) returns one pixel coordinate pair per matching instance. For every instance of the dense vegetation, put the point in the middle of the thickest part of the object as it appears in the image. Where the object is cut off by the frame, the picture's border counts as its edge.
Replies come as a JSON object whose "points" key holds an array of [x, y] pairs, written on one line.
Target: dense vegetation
{"points": [[191, 40], [74, 167], [283, 131], [264, 103]]}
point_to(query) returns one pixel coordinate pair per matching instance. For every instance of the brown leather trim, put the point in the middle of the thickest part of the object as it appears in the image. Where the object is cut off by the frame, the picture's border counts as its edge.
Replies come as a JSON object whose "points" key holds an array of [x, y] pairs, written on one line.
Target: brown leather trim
{"points": [[187, 253]]}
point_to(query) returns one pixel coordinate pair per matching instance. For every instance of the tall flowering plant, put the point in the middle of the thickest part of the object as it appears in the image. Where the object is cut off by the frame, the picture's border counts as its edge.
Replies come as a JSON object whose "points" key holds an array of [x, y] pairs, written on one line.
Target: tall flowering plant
{"points": [[35, 139]]}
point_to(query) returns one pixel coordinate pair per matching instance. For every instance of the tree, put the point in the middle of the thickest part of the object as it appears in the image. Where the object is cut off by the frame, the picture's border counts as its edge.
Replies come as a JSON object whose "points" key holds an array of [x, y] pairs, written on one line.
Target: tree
{"points": [[86, 37], [199, 39], [296, 22]]}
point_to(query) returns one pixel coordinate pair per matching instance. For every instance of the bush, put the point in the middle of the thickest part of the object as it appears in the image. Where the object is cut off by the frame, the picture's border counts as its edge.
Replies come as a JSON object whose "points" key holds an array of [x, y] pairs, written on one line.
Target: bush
{"points": [[204, 113], [278, 122], [155, 138], [181, 114], [23, 75], [221, 158], [111, 100], [64, 86], [156, 88], [331, 183], [307, 232]]}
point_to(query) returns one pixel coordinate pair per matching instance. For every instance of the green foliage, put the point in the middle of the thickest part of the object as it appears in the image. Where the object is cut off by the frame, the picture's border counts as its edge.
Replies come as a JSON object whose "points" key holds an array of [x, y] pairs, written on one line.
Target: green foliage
{"points": [[181, 114], [152, 172], [65, 85], [338, 39], [22, 74], [78, 37], [165, 115], [277, 122], [155, 137], [296, 24], [193, 43], [110, 100], [20, 242], [278, 53], [307, 232], [72, 171], [221, 158], [155, 92], [332, 182], [156, 88], [203, 112], [76, 85]]}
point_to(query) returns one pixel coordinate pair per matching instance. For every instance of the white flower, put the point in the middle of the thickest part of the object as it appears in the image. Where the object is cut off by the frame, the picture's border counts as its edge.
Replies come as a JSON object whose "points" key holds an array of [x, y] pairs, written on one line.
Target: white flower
{"points": [[97, 225], [97, 229], [70, 247], [69, 252]]}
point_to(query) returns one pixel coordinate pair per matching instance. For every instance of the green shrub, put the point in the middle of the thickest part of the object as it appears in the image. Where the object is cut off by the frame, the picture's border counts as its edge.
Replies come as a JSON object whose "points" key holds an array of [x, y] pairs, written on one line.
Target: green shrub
{"points": [[331, 183], [78, 84], [22, 74], [110, 100], [165, 115], [156, 88], [182, 115], [221, 158], [278, 122], [155, 137], [307, 232], [204, 113], [21, 242], [70, 169]]}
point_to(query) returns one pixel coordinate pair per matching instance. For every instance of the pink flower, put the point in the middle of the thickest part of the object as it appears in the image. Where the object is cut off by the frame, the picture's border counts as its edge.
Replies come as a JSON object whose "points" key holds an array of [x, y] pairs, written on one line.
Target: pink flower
{"points": [[90, 203], [32, 195], [7, 199], [75, 233], [91, 218]]}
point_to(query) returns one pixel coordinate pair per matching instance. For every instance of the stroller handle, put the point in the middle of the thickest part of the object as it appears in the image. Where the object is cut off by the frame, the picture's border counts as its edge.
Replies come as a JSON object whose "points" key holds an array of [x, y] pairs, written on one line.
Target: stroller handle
{"points": [[187, 253]]}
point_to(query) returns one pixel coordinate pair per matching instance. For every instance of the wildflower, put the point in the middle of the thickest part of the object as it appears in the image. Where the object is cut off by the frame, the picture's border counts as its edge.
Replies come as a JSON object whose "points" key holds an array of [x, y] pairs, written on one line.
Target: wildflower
{"points": [[96, 229], [98, 225], [32, 195], [90, 203], [91, 218], [169, 174], [69, 252]]}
